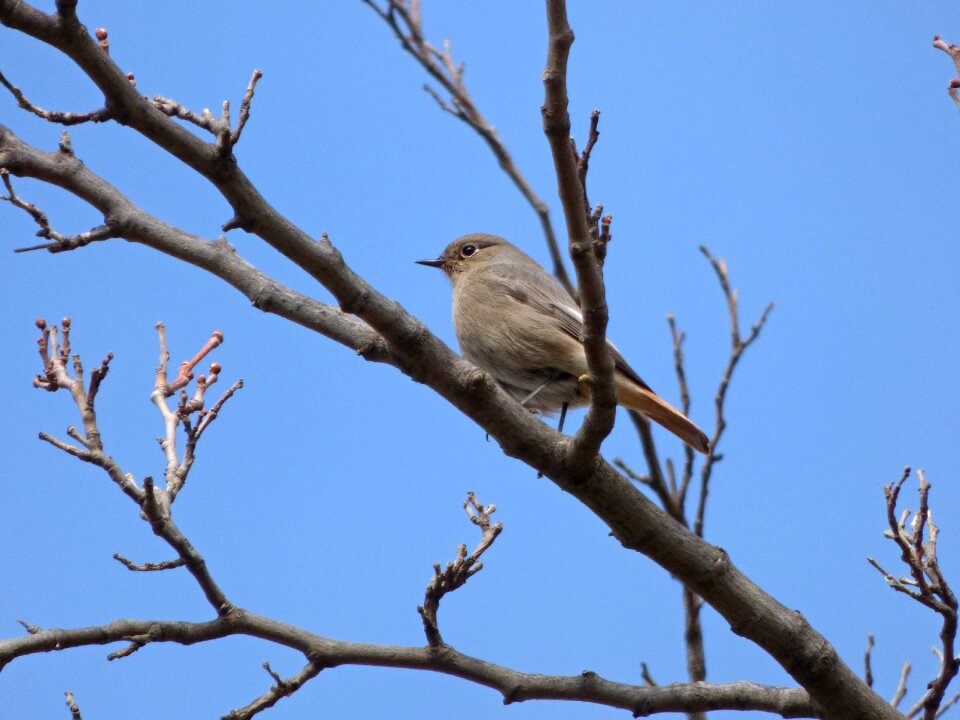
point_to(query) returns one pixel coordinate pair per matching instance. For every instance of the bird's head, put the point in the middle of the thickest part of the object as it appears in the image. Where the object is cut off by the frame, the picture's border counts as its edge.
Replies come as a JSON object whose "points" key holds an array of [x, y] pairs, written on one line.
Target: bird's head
{"points": [[467, 252]]}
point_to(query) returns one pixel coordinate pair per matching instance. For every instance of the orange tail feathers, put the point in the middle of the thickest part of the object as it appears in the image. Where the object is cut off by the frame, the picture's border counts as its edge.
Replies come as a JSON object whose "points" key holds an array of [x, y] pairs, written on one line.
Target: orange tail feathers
{"points": [[647, 402]]}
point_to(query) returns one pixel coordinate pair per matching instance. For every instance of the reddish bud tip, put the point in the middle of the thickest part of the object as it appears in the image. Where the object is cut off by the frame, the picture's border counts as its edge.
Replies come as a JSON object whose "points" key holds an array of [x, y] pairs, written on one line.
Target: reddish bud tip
{"points": [[218, 335], [40, 323], [215, 368], [954, 84], [65, 322], [101, 33], [936, 38]]}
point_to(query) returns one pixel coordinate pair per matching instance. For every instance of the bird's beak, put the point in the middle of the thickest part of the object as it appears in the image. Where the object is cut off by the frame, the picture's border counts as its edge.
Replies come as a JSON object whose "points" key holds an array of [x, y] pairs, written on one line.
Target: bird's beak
{"points": [[438, 263]]}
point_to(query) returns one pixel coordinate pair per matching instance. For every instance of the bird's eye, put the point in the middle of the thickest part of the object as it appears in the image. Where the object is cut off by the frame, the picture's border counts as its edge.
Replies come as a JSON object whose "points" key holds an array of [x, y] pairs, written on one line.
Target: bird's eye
{"points": [[468, 250]]}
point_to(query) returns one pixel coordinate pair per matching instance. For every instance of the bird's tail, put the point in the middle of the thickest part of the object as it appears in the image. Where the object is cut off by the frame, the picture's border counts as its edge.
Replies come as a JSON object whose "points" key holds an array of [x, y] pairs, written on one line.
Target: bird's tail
{"points": [[647, 402]]}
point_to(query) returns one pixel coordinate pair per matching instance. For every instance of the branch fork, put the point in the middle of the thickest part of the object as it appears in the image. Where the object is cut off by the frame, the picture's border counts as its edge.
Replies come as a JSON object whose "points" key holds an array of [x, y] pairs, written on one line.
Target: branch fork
{"points": [[155, 503], [917, 542], [60, 242], [456, 574], [225, 137]]}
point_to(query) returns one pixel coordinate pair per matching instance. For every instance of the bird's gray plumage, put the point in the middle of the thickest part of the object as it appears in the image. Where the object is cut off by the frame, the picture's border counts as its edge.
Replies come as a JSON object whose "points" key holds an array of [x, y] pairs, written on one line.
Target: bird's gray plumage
{"points": [[508, 283]]}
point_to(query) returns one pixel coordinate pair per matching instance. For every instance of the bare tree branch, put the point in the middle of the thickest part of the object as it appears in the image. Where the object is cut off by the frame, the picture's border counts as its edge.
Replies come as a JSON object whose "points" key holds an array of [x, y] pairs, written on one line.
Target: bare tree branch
{"points": [[515, 686], [148, 567], [678, 336], [72, 705], [926, 585], [56, 377], [649, 447], [648, 680], [901, 690], [219, 127], [245, 106], [60, 242], [32, 629], [737, 347], [54, 116], [154, 503], [456, 574], [282, 689], [948, 704], [556, 126]]}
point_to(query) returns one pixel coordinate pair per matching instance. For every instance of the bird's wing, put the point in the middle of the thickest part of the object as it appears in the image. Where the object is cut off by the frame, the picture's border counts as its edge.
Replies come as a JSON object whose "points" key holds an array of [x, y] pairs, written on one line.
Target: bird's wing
{"points": [[570, 320]]}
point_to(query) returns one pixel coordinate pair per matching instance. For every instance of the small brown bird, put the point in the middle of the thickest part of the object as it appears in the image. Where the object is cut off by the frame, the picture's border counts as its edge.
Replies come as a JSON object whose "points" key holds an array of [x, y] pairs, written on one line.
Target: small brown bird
{"points": [[514, 320]]}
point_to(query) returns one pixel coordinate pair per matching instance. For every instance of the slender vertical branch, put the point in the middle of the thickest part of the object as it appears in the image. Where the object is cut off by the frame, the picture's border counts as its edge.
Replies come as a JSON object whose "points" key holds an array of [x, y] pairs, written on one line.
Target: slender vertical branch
{"points": [[737, 347], [556, 126]]}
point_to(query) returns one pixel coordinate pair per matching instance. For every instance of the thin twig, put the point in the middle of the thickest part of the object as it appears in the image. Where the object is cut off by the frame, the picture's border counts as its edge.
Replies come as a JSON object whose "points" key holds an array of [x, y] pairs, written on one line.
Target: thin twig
{"points": [[678, 336], [32, 629], [665, 494], [59, 242], [74, 708], [693, 636], [245, 106], [55, 116], [901, 690], [136, 642], [645, 434], [185, 372], [737, 347], [926, 585], [96, 377], [206, 120], [56, 377], [148, 567], [647, 677], [204, 420], [456, 574], [948, 704], [282, 688], [583, 162], [225, 138], [154, 503]]}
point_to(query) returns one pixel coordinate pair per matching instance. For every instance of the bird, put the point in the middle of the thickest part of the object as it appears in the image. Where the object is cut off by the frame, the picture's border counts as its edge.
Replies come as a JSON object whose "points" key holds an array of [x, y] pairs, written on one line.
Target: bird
{"points": [[513, 320]]}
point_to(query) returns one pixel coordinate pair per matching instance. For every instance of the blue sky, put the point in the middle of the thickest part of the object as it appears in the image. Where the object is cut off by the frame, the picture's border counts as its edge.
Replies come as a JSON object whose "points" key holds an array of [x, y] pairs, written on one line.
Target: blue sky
{"points": [[812, 145]]}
